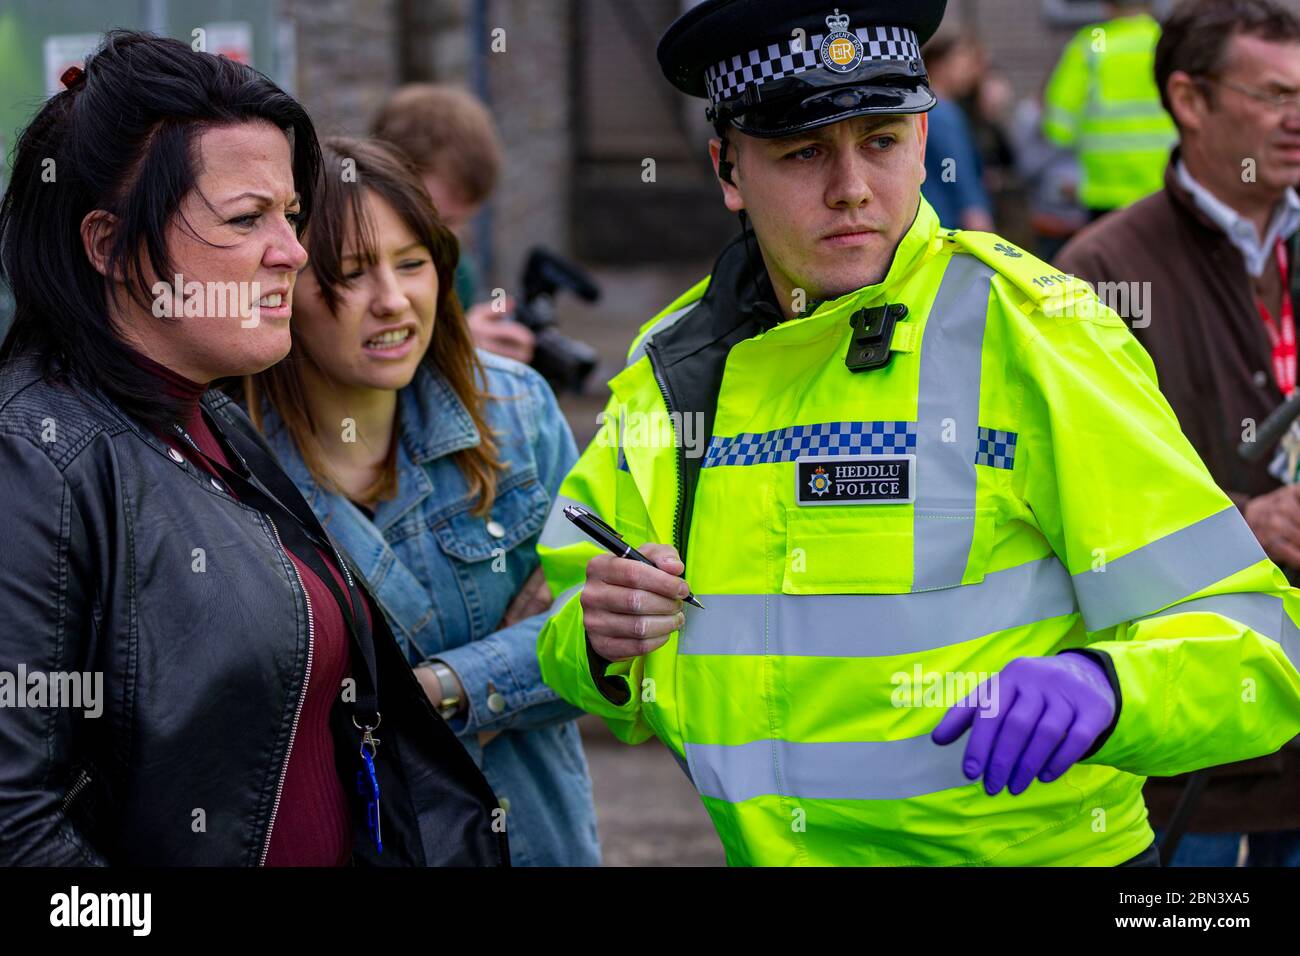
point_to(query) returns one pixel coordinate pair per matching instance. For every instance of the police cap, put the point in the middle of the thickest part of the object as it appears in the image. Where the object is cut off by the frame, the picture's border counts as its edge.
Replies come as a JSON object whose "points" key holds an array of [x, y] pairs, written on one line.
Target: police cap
{"points": [[778, 67]]}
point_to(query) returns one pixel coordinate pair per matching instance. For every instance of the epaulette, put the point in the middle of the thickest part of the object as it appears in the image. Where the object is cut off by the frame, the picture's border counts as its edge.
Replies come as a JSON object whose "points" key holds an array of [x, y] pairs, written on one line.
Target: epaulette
{"points": [[1044, 287]]}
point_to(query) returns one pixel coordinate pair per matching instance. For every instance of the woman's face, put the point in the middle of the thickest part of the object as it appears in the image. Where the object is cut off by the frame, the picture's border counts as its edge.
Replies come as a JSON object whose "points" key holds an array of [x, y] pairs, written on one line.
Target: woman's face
{"points": [[235, 247], [384, 320]]}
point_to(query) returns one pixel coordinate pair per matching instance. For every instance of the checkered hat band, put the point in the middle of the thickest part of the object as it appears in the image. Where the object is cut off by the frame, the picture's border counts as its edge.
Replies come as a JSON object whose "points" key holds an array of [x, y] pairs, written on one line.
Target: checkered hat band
{"points": [[825, 438], [788, 58]]}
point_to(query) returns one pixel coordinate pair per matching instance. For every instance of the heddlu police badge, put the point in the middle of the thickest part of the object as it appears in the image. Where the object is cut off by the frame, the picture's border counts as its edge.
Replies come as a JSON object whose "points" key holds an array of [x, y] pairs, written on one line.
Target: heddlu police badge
{"points": [[842, 51], [855, 479]]}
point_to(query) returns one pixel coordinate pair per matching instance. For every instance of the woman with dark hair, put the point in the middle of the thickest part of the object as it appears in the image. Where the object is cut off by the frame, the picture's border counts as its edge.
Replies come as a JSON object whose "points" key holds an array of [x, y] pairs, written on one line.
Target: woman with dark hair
{"points": [[207, 680], [435, 467]]}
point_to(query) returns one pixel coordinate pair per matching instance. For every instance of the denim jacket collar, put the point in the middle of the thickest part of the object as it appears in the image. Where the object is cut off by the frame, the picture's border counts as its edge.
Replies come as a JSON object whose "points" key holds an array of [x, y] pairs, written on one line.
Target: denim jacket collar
{"points": [[432, 422]]}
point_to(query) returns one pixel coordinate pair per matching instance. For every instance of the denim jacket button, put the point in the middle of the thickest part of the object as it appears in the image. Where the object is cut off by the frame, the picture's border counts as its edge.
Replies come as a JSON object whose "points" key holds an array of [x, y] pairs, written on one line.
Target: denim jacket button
{"points": [[495, 529], [175, 456], [496, 703]]}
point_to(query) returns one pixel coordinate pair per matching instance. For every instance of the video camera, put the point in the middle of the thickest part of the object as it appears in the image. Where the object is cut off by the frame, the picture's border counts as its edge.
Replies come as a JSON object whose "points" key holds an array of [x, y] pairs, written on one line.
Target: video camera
{"points": [[564, 362]]}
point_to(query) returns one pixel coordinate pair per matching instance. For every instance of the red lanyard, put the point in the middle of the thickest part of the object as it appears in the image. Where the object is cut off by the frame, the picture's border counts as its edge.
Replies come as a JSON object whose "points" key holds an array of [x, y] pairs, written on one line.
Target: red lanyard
{"points": [[1283, 339]]}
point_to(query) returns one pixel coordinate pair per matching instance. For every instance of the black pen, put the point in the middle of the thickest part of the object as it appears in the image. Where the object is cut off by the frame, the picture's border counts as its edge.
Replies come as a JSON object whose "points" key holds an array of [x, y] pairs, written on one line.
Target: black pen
{"points": [[609, 539]]}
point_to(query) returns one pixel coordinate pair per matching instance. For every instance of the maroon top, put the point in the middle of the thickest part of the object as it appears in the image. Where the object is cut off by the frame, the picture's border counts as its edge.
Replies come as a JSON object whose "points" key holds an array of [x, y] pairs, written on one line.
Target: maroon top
{"points": [[313, 824]]}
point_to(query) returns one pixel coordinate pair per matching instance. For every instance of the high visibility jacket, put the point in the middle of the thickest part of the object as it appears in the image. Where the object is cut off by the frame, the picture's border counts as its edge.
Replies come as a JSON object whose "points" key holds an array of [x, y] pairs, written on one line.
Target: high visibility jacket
{"points": [[1103, 102], [1055, 505]]}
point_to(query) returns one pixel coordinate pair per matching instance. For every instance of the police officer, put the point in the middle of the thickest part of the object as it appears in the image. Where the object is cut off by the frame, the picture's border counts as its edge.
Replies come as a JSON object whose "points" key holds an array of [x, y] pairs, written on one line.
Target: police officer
{"points": [[1102, 102], [965, 583]]}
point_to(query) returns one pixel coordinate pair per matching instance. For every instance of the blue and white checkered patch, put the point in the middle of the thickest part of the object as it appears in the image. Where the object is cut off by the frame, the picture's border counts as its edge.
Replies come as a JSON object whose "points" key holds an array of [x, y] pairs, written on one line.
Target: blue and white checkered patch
{"points": [[729, 78], [827, 438], [996, 449]]}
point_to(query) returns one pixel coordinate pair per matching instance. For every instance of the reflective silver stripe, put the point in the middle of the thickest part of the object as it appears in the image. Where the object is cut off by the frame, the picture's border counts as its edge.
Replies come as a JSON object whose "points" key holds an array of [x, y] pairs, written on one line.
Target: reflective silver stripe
{"points": [[876, 625], [669, 319], [1061, 117], [1166, 570], [860, 770], [1124, 142], [1100, 110], [562, 599], [559, 531], [1263, 613], [949, 388]]}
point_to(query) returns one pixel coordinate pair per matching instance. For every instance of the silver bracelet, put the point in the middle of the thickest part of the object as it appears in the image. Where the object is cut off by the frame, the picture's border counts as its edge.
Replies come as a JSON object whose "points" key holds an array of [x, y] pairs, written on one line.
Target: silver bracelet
{"points": [[452, 696]]}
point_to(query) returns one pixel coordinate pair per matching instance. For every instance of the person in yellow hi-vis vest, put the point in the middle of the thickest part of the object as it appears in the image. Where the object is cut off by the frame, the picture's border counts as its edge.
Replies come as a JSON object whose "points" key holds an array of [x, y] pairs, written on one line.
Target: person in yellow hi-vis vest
{"points": [[922, 484], [1103, 103]]}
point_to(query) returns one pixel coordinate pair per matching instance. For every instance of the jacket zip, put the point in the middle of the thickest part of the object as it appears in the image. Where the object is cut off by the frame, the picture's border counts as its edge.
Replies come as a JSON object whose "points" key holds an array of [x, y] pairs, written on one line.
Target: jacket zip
{"points": [[346, 573], [78, 785], [311, 641], [651, 353], [302, 697]]}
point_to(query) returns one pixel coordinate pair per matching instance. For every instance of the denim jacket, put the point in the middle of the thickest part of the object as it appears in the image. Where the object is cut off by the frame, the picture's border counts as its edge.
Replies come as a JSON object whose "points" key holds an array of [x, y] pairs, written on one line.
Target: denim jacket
{"points": [[445, 577]]}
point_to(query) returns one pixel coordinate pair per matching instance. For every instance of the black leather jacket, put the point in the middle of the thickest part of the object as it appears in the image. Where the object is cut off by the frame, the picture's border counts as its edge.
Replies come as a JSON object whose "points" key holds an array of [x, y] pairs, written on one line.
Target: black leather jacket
{"points": [[203, 656]]}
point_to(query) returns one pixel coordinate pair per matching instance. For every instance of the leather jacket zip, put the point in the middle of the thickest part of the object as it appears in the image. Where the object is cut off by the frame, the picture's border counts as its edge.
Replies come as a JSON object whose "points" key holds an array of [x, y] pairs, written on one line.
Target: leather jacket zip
{"points": [[302, 697], [78, 785]]}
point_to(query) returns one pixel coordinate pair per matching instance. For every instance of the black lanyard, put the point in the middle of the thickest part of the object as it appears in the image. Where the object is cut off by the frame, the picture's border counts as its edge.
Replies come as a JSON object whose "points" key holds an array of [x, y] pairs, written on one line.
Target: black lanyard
{"points": [[302, 534]]}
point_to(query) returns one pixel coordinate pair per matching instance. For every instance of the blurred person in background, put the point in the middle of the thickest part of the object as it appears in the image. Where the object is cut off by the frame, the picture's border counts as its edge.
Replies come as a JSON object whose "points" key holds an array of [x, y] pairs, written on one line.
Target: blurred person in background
{"points": [[1051, 179], [451, 138], [989, 109], [1102, 102], [1212, 257], [954, 171], [434, 466]]}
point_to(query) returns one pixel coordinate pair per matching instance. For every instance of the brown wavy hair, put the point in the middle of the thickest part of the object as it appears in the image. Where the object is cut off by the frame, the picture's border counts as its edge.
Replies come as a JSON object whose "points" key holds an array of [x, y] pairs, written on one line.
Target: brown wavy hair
{"points": [[338, 216]]}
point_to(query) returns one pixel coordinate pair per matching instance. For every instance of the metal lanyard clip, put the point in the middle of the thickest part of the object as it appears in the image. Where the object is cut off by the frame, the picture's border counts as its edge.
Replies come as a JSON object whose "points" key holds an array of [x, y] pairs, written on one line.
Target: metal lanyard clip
{"points": [[368, 779]]}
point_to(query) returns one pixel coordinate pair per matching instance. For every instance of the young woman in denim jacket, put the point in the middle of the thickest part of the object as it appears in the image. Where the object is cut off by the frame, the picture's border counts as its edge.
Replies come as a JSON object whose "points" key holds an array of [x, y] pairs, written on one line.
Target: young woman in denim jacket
{"points": [[434, 465]]}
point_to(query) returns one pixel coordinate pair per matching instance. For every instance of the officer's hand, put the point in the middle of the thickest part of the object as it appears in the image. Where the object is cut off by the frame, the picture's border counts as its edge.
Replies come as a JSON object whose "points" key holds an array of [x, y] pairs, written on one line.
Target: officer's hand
{"points": [[1034, 718], [1275, 519], [630, 608]]}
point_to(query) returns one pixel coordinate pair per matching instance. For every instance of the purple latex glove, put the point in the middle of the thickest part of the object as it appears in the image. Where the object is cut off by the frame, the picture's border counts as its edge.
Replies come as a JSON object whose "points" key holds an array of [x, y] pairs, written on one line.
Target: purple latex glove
{"points": [[1042, 715]]}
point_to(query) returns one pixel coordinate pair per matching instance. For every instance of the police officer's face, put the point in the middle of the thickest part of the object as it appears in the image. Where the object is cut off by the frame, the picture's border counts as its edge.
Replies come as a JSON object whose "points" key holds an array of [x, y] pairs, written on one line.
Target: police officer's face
{"points": [[829, 206]]}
